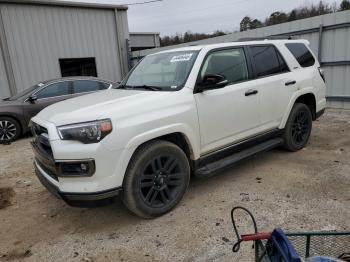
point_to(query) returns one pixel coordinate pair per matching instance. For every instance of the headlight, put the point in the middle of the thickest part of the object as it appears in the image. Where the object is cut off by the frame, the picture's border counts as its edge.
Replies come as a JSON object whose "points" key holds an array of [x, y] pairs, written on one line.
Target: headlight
{"points": [[87, 133]]}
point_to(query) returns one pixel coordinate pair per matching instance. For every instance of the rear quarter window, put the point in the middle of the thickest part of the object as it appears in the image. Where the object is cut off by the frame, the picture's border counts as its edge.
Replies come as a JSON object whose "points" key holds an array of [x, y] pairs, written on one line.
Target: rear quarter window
{"points": [[301, 54]]}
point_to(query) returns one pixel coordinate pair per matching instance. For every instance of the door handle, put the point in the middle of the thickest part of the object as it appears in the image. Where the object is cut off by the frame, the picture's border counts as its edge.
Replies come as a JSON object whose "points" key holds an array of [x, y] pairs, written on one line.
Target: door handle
{"points": [[251, 92], [290, 83]]}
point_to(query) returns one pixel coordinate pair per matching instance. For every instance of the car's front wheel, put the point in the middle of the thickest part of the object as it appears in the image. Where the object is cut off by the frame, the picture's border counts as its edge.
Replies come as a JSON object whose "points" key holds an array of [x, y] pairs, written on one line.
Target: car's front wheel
{"points": [[10, 130], [298, 128], [156, 180]]}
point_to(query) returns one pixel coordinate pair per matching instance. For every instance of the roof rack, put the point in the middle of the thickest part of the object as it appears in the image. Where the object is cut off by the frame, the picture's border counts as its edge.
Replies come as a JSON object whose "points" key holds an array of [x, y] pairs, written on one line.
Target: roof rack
{"points": [[277, 37]]}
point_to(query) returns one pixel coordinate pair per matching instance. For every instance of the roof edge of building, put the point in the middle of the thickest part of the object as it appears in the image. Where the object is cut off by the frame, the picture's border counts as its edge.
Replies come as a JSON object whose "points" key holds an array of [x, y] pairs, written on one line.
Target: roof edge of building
{"points": [[144, 33], [66, 3]]}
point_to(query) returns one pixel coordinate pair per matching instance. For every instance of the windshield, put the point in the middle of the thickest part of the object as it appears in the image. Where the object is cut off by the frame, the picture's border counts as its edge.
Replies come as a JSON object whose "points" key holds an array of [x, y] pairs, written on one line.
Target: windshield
{"points": [[163, 72], [25, 92]]}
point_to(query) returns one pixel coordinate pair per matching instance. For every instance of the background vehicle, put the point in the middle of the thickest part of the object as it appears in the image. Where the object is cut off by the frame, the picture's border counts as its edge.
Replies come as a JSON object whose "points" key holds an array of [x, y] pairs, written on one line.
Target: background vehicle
{"points": [[195, 110], [16, 111]]}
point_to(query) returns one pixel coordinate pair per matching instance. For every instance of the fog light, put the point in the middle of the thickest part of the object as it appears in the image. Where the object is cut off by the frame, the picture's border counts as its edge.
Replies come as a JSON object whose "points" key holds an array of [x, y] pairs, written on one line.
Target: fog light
{"points": [[76, 169]]}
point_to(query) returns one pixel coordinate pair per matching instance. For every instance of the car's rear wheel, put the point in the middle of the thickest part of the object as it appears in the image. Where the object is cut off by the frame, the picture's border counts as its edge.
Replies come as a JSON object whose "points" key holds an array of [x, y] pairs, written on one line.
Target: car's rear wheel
{"points": [[156, 179], [298, 128], [10, 130]]}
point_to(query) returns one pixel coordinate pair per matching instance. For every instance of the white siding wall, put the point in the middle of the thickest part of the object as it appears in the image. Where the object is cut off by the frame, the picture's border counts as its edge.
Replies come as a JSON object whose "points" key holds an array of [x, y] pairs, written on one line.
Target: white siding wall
{"points": [[38, 36]]}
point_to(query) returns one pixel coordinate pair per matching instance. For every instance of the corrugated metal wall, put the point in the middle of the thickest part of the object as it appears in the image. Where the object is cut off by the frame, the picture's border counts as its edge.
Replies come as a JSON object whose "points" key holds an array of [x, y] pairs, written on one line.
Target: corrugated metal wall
{"points": [[39, 35], [4, 89], [144, 40], [335, 47]]}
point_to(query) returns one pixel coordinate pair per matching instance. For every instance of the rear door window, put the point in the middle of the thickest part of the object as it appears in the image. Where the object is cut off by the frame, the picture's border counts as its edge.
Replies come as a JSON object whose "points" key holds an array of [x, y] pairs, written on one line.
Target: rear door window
{"points": [[54, 90], [83, 86], [301, 54], [266, 61]]}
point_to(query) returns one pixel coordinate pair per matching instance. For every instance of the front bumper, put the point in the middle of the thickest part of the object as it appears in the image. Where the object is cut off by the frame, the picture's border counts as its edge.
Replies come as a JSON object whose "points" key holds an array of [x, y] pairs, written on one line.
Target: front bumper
{"points": [[78, 199]]}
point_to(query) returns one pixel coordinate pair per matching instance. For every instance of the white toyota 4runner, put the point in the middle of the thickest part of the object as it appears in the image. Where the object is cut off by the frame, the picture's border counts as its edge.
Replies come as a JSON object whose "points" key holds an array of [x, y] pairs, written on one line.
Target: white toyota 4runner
{"points": [[194, 110]]}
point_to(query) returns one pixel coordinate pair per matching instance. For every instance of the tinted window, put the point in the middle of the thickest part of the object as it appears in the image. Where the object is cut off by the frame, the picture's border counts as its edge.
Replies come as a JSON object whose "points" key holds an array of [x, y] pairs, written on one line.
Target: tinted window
{"points": [[229, 63], [78, 67], [301, 54], [283, 65], [265, 60], [57, 89], [82, 86]]}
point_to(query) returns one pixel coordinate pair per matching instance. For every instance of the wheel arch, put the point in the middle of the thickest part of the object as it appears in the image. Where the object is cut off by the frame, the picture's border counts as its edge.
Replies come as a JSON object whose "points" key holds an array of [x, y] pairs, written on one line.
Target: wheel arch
{"points": [[177, 138], [306, 97]]}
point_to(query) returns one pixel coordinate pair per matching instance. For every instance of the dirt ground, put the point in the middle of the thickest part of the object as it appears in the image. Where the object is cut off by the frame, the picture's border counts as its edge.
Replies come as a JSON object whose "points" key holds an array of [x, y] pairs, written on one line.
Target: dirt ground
{"points": [[306, 190]]}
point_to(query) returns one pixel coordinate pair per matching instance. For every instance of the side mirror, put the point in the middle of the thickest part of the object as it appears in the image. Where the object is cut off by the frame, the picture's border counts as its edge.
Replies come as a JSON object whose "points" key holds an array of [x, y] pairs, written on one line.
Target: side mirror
{"points": [[32, 98], [211, 81]]}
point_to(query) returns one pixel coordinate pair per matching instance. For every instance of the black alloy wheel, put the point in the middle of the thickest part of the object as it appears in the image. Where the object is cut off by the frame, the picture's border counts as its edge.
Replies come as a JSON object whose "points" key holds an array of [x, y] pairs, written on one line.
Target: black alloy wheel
{"points": [[157, 177], [298, 128], [161, 180]]}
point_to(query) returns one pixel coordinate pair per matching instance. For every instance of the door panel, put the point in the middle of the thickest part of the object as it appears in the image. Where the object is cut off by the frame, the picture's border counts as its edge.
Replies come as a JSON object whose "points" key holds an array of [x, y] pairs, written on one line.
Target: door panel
{"points": [[228, 114], [272, 74], [274, 99]]}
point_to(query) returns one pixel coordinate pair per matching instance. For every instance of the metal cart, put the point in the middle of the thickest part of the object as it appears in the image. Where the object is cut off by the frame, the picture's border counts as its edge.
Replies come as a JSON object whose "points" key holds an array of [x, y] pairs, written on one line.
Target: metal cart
{"points": [[293, 247]]}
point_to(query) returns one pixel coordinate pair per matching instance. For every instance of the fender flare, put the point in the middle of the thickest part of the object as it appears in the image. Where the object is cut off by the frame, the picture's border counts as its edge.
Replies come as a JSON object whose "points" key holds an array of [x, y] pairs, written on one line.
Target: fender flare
{"points": [[296, 95], [186, 131]]}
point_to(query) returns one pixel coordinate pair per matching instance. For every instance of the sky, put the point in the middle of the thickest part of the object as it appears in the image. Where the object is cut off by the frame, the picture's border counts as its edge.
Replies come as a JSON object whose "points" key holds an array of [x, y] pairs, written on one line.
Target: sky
{"points": [[204, 16]]}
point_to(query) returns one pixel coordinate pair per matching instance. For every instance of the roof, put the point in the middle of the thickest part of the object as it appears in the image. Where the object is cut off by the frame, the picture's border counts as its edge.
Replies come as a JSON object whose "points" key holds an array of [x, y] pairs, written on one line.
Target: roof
{"points": [[74, 78], [144, 33], [229, 44], [66, 3]]}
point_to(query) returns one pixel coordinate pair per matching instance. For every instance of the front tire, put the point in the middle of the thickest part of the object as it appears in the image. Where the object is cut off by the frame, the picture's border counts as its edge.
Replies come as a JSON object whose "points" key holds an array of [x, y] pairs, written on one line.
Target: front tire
{"points": [[298, 128], [10, 130], [156, 180]]}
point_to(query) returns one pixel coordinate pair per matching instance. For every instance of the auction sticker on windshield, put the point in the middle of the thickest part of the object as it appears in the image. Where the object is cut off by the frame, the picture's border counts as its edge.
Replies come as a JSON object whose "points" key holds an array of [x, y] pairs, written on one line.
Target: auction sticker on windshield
{"points": [[181, 58]]}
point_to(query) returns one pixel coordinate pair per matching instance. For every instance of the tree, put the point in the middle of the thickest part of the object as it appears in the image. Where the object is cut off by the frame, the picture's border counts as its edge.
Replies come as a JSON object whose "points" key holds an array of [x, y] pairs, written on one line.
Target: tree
{"points": [[245, 23], [345, 5], [255, 24], [292, 15], [277, 18]]}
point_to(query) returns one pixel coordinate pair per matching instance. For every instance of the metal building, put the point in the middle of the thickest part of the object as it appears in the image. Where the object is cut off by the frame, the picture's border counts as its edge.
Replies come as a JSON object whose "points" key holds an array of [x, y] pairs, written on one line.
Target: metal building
{"points": [[42, 40], [329, 37], [144, 40]]}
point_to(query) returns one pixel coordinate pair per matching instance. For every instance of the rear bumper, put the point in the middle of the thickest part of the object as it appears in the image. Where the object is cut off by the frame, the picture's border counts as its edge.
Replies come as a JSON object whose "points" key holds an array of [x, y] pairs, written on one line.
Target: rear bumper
{"points": [[79, 199]]}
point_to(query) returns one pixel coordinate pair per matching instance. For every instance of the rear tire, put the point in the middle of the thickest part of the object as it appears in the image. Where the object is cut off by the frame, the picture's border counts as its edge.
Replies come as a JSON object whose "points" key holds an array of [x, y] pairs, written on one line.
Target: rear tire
{"points": [[298, 128], [156, 180], [10, 130]]}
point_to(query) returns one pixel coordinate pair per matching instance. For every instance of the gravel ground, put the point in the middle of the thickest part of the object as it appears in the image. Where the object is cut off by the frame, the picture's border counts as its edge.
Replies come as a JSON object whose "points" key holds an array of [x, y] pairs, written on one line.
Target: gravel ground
{"points": [[306, 190]]}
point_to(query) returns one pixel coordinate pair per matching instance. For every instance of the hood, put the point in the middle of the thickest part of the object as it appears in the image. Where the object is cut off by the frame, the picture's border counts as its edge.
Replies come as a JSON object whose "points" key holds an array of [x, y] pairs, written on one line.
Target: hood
{"points": [[97, 105], [10, 102]]}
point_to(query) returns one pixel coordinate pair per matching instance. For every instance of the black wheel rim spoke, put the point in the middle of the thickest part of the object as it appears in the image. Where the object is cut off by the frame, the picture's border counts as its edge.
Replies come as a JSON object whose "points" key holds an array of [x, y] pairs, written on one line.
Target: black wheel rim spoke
{"points": [[300, 128], [161, 181]]}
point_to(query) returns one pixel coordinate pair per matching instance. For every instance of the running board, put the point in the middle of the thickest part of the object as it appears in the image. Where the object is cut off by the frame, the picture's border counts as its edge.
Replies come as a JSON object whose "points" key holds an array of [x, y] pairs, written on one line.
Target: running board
{"points": [[214, 167]]}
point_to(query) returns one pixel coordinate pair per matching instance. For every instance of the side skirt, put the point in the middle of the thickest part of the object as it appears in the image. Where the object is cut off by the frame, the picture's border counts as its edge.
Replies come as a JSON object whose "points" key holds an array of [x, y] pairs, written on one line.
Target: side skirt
{"points": [[219, 160]]}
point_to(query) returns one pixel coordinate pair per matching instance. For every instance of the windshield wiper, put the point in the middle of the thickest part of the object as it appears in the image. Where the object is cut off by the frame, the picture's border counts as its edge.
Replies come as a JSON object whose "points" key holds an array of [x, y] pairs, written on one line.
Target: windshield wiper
{"points": [[147, 87]]}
